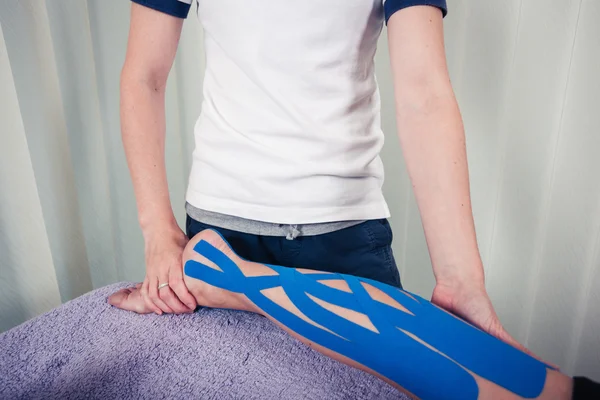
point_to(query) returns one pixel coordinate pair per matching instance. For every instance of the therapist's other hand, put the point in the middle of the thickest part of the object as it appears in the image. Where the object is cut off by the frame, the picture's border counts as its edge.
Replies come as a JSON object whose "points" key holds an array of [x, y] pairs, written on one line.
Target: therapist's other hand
{"points": [[470, 301], [164, 264]]}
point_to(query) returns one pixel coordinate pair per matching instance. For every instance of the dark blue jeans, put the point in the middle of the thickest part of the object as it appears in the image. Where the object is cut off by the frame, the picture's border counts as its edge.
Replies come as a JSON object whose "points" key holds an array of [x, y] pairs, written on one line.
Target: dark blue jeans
{"points": [[361, 250]]}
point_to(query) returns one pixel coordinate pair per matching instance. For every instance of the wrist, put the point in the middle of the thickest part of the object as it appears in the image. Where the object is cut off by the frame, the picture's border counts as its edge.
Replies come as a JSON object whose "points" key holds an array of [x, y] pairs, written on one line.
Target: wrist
{"points": [[459, 276], [159, 228]]}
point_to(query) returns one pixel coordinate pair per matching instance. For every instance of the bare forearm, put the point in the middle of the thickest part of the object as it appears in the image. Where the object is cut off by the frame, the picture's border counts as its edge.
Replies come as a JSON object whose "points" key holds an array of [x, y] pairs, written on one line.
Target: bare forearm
{"points": [[143, 133], [432, 137], [433, 141]]}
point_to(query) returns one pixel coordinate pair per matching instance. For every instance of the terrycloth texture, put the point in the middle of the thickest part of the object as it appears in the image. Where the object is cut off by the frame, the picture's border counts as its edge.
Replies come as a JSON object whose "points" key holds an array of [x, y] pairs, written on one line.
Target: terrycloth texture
{"points": [[88, 349]]}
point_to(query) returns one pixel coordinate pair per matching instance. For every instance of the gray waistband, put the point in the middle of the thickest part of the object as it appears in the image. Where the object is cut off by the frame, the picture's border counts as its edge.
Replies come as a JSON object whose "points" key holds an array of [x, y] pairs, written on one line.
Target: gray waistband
{"points": [[265, 228]]}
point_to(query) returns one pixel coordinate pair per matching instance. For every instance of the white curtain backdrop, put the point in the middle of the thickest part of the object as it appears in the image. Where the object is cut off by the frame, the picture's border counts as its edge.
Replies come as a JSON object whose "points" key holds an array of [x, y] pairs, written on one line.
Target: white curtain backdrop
{"points": [[526, 73]]}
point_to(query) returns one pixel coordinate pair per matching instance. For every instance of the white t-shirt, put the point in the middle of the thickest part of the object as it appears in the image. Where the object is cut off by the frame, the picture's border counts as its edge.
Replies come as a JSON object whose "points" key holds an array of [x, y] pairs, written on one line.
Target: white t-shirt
{"points": [[290, 125]]}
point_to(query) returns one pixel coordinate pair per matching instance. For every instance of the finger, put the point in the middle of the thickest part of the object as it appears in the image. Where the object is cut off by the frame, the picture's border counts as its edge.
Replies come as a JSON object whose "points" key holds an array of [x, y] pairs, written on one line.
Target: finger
{"points": [[153, 293], [169, 298], [506, 337], [167, 295], [532, 354], [181, 290], [145, 293]]}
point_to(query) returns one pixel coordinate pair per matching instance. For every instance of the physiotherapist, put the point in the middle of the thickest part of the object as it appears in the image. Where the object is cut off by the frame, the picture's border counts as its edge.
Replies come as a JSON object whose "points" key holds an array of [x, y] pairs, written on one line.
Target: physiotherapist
{"points": [[286, 164]]}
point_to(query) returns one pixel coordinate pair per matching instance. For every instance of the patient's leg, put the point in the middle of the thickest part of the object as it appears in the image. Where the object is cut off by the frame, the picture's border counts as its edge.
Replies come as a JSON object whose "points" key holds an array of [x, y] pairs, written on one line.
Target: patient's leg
{"points": [[421, 362]]}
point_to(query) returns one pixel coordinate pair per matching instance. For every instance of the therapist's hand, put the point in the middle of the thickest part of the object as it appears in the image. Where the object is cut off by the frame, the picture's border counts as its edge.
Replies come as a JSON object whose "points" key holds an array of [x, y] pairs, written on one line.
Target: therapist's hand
{"points": [[164, 264], [470, 301]]}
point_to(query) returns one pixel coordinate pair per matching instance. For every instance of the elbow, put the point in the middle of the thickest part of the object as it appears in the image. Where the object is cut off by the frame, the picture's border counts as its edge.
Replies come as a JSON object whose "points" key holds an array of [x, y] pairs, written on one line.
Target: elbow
{"points": [[141, 92], [134, 77], [424, 96]]}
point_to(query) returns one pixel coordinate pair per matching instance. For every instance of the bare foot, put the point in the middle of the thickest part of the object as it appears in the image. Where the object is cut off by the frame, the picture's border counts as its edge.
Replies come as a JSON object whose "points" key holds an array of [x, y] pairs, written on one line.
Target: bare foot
{"points": [[212, 296], [206, 295]]}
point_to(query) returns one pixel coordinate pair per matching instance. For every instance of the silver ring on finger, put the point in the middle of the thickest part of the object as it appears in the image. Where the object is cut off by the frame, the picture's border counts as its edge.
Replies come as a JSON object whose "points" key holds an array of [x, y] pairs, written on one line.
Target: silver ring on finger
{"points": [[162, 285]]}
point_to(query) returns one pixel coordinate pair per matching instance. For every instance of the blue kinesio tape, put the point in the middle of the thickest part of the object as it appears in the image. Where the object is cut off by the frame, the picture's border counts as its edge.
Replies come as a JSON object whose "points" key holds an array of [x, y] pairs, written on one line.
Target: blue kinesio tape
{"points": [[401, 335]]}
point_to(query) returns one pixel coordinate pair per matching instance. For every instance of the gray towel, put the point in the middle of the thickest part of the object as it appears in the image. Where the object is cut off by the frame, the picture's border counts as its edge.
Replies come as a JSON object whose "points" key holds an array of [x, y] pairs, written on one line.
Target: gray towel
{"points": [[86, 349]]}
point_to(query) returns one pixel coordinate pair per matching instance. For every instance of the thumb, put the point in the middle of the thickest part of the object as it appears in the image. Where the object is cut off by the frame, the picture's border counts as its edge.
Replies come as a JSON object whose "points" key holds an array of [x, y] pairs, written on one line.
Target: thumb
{"points": [[503, 335], [117, 298]]}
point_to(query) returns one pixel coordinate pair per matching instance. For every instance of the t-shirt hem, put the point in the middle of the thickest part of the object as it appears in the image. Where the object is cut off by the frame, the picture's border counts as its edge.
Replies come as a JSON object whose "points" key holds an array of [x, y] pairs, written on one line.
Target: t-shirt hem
{"points": [[287, 215]]}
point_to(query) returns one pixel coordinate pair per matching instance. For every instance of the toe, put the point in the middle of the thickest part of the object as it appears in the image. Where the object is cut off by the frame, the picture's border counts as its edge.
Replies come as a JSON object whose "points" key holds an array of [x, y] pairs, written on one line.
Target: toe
{"points": [[129, 299]]}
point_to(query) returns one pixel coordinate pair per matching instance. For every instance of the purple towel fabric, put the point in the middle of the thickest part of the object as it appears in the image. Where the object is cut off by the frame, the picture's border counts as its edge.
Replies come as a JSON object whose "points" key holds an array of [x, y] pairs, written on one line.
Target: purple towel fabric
{"points": [[88, 349]]}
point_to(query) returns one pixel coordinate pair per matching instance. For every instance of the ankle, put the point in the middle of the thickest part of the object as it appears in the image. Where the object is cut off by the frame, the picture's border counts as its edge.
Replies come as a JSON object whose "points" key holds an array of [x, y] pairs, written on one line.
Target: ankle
{"points": [[210, 296]]}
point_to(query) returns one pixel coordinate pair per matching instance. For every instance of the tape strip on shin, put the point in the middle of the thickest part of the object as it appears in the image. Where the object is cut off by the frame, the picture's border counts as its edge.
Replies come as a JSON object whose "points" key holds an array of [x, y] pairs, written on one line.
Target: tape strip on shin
{"points": [[427, 351]]}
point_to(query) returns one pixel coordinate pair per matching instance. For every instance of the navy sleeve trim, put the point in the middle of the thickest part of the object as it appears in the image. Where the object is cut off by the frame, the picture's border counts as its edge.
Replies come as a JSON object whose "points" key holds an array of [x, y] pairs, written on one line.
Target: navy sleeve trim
{"points": [[392, 6], [176, 8]]}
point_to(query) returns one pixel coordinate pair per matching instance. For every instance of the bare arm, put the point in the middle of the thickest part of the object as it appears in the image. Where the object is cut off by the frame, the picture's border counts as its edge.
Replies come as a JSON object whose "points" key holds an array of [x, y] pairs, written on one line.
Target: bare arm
{"points": [[153, 40], [432, 137], [433, 141]]}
